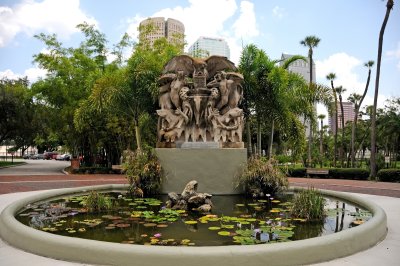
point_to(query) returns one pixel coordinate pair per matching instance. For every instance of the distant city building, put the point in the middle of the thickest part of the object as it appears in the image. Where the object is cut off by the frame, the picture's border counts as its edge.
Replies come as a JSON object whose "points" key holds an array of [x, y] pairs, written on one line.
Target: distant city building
{"points": [[206, 46], [172, 29], [348, 111], [302, 68]]}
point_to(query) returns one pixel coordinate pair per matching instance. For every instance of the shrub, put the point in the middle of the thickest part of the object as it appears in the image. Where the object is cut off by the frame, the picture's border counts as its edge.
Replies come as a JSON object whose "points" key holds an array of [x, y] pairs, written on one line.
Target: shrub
{"points": [[349, 173], [389, 175], [308, 204], [143, 171], [96, 202], [296, 172], [262, 177]]}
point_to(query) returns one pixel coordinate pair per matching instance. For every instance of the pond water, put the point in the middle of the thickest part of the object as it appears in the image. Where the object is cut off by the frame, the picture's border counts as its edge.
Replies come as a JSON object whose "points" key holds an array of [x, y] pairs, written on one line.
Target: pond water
{"points": [[234, 220]]}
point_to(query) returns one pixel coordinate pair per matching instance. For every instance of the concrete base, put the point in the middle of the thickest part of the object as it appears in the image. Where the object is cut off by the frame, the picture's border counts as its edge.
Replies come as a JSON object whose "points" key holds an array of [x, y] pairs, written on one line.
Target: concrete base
{"points": [[216, 170]]}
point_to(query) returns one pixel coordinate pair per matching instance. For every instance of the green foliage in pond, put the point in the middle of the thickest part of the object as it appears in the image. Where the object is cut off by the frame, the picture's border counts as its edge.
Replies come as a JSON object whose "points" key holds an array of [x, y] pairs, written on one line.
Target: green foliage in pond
{"points": [[96, 202], [308, 204]]}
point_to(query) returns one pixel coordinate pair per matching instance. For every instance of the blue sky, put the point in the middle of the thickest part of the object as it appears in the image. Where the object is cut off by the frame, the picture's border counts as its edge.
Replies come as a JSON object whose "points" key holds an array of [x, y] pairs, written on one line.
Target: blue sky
{"points": [[348, 31]]}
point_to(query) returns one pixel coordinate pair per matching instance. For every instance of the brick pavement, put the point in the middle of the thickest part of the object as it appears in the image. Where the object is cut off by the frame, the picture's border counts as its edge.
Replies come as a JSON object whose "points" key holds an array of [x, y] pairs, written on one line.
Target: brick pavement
{"points": [[11, 184]]}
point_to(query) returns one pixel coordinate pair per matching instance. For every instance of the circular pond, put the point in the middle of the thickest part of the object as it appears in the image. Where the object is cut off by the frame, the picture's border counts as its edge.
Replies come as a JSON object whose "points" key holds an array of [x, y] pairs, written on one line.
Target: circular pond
{"points": [[216, 237]]}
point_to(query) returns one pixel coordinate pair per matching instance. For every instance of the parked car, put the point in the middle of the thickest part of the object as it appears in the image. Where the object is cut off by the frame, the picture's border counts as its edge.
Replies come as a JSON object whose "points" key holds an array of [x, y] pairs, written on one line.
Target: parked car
{"points": [[28, 155], [63, 157], [38, 156], [50, 155]]}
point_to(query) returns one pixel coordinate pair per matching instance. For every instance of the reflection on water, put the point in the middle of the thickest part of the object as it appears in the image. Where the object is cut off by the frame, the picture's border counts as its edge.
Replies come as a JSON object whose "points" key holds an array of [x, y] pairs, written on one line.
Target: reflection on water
{"points": [[234, 220]]}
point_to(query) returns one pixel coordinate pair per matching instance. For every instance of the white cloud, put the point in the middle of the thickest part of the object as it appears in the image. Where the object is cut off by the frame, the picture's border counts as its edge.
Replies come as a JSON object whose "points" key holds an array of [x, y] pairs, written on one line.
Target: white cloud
{"points": [[278, 12], [33, 74], [30, 17], [246, 26], [395, 54], [343, 65], [208, 18]]}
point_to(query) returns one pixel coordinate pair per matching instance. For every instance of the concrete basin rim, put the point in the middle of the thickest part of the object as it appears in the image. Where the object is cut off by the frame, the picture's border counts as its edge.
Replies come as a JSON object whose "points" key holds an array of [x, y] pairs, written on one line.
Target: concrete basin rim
{"points": [[67, 248]]}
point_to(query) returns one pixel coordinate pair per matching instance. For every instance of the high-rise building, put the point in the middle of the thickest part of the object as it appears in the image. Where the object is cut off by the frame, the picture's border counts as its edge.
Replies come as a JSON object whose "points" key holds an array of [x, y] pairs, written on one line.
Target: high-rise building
{"points": [[172, 29], [348, 115], [206, 46], [302, 68]]}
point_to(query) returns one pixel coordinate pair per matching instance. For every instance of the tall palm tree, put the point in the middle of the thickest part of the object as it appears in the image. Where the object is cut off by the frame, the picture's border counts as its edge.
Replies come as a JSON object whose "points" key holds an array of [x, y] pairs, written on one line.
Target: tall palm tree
{"points": [[357, 100], [389, 7], [321, 147], [331, 77], [310, 42], [339, 91]]}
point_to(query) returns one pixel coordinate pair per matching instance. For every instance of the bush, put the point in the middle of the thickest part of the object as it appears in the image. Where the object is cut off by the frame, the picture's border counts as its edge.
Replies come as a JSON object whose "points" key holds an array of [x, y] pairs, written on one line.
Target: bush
{"points": [[143, 172], [92, 170], [96, 202], [308, 204], [296, 172], [262, 177], [349, 173], [389, 175]]}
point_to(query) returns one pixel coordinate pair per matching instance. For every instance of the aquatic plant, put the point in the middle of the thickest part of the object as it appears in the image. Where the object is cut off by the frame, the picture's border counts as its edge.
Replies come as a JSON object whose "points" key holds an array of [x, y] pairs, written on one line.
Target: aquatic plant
{"points": [[96, 202], [143, 172], [309, 204], [262, 177]]}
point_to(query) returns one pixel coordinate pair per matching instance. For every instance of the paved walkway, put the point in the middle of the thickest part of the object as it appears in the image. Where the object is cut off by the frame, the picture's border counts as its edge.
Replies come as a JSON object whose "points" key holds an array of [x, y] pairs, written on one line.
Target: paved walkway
{"points": [[386, 195], [12, 183]]}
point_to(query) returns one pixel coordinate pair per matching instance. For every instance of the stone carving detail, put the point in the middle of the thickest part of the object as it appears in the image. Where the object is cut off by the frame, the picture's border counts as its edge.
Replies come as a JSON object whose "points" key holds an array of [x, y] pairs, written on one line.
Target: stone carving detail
{"points": [[199, 101], [190, 199]]}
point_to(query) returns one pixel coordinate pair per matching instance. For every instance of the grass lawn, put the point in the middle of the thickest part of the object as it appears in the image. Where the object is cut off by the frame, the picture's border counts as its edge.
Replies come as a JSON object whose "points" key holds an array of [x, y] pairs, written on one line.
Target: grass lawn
{"points": [[7, 163]]}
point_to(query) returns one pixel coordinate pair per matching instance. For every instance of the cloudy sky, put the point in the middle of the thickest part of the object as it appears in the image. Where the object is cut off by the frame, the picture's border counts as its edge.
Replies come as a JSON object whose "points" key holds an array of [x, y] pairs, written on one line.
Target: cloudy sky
{"points": [[348, 31]]}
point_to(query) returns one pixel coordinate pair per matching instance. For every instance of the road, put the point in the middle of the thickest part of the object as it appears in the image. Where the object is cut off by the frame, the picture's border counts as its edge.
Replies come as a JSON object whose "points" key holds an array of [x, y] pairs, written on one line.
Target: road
{"points": [[36, 167]]}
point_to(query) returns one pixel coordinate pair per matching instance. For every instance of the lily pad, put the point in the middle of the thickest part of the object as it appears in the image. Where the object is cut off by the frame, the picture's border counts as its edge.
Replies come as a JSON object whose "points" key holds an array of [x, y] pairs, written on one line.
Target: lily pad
{"points": [[224, 233], [214, 228], [190, 222]]}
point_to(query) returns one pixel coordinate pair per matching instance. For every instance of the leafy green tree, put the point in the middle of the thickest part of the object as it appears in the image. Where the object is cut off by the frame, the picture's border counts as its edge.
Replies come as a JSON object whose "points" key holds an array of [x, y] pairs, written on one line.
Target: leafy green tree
{"points": [[389, 7], [17, 112], [311, 42]]}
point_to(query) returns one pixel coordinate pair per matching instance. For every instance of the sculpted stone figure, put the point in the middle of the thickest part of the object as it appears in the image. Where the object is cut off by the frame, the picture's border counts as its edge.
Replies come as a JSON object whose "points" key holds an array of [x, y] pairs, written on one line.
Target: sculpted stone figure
{"points": [[190, 199], [200, 102]]}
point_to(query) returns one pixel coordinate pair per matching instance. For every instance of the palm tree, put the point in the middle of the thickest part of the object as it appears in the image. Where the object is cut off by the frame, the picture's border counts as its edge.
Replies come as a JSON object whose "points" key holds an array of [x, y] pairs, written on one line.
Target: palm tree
{"points": [[357, 100], [331, 77], [389, 7], [310, 42], [321, 148], [339, 91]]}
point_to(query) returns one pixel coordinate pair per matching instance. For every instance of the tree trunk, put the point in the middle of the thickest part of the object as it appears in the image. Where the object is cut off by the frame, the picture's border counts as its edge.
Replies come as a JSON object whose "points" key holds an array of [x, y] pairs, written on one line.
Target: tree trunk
{"points": [[248, 132], [310, 138], [321, 147], [342, 122], [353, 138], [259, 137], [138, 137], [336, 126], [271, 141], [389, 7]]}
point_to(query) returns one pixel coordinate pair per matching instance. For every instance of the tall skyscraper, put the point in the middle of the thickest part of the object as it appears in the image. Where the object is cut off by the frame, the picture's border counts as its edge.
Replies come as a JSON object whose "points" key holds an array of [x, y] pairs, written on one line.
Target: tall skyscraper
{"points": [[206, 46], [171, 29], [348, 115], [299, 66], [302, 68]]}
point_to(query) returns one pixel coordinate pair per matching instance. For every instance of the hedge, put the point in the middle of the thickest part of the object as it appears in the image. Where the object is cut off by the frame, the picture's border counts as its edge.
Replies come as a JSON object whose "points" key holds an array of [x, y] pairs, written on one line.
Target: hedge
{"points": [[93, 170], [296, 172], [349, 173], [389, 175]]}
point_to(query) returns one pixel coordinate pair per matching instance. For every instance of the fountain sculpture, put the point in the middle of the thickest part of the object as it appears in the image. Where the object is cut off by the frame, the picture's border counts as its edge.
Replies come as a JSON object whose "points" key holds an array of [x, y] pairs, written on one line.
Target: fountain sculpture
{"points": [[199, 101]]}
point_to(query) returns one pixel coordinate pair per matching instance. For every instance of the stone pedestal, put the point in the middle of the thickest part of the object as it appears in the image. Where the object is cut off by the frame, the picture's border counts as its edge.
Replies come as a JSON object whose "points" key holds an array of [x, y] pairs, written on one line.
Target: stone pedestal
{"points": [[215, 170]]}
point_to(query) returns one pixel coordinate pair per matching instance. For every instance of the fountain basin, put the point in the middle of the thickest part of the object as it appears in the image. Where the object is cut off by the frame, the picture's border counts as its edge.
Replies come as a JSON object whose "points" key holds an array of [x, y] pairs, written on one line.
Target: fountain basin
{"points": [[97, 252]]}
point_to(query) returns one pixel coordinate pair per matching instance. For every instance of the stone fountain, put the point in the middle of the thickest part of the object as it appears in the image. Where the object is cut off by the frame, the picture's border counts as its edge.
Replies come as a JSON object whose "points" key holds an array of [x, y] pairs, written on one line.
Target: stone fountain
{"points": [[200, 124]]}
